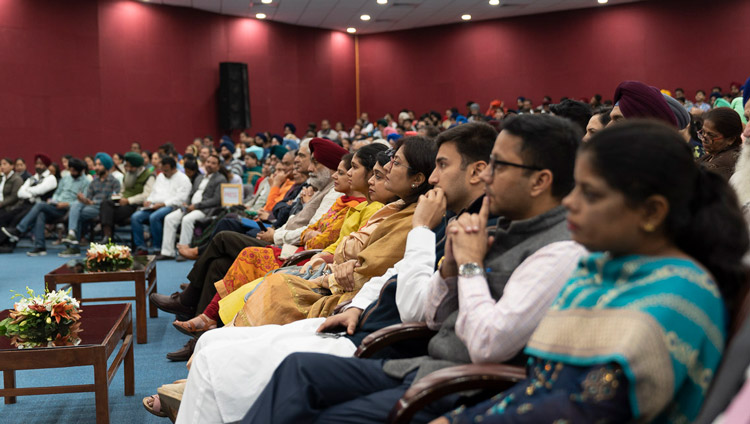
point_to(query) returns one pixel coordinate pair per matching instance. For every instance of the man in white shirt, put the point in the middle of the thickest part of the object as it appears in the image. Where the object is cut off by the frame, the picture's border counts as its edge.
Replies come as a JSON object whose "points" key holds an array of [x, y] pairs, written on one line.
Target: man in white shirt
{"points": [[205, 195], [170, 190], [326, 131], [38, 187]]}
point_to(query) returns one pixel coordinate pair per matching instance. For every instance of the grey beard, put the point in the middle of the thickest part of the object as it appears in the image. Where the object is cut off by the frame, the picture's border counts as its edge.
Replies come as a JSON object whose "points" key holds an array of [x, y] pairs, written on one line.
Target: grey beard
{"points": [[320, 179], [129, 179]]}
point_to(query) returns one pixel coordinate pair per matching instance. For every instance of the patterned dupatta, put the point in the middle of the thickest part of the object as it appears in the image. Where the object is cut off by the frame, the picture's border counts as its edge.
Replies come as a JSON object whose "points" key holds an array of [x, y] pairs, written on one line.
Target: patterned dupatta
{"points": [[329, 225], [662, 320]]}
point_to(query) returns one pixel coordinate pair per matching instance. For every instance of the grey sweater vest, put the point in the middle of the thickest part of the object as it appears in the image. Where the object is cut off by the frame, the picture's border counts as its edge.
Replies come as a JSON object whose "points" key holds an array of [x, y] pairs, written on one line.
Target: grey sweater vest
{"points": [[514, 242]]}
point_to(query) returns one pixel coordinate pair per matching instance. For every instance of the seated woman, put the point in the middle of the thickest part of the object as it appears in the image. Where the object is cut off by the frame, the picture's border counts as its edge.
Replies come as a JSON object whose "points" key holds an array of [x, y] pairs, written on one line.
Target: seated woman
{"points": [[284, 298], [721, 137], [639, 330], [348, 213]]}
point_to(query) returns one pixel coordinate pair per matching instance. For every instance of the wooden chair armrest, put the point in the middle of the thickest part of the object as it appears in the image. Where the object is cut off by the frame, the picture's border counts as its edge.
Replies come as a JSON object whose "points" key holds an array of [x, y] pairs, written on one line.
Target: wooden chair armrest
{"points": [[493, 377], [300, 256], [392, 334]]}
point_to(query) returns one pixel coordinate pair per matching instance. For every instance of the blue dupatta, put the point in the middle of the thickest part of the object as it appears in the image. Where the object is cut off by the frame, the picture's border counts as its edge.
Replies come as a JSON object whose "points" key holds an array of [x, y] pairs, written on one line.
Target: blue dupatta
{"points": [[661, 319]]}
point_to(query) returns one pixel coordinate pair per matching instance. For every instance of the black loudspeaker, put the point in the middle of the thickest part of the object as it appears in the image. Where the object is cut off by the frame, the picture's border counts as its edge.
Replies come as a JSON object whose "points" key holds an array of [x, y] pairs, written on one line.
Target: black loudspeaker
{"points": [[234, 96]]}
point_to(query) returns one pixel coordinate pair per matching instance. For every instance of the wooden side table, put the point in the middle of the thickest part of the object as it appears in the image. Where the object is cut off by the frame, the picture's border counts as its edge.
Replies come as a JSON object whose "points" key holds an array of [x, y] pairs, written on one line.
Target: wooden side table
{"points": [[103, 327], [142, 273]]}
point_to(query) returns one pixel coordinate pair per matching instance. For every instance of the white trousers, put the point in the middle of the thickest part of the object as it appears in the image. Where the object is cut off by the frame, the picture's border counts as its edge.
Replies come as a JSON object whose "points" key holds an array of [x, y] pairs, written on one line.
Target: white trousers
{"points": [[172, 222], [232, 365]]}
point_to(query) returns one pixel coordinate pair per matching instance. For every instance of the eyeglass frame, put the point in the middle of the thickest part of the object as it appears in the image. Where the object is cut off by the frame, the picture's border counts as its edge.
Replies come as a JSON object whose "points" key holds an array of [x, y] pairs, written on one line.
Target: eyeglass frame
{"points": [[392, 155], [493, 163], [703, 136]]}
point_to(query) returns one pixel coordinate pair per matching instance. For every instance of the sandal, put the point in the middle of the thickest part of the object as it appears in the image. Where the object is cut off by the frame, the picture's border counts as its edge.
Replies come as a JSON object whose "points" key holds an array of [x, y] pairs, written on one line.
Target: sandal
{"points": [[171, 397], [196, 326], [154, 406]]}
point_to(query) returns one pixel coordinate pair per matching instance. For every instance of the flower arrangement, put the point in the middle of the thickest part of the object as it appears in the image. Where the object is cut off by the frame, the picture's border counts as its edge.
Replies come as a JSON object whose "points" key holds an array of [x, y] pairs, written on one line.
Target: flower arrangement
{"points": [[38, 321], [108, 257]]}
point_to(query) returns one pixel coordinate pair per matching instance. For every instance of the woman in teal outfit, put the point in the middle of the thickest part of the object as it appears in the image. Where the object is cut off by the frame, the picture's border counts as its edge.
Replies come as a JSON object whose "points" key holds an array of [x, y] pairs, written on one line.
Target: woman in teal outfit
{"points": [[638, 331]]}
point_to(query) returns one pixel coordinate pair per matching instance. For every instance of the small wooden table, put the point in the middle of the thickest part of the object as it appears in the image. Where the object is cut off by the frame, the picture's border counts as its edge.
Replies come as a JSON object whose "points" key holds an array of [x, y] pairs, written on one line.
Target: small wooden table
{"points": [[143, 273], [103, 327]]}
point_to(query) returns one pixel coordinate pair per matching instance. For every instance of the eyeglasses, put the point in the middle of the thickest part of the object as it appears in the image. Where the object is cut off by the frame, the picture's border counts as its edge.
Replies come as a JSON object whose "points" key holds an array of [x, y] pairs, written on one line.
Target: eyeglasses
{"points": [[392, 155], [707, 136], [497, 166]]}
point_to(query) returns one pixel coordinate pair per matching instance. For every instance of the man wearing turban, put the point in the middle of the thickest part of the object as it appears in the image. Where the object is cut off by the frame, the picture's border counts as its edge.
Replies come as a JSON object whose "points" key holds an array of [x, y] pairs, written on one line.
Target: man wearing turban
{"points": [[136, 187], [634, 99], [86, 207]]}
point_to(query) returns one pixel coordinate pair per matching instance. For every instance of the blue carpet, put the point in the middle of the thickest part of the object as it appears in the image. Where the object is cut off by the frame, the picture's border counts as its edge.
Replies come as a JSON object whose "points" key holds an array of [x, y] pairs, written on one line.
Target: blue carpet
{"points": [[152, 369]]}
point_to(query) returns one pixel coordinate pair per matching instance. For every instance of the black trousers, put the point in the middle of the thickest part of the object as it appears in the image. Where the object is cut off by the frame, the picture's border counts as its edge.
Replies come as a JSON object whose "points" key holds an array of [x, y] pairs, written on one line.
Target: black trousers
{"points": [[319, 388], [111, 214], [212, 265], [11, 218]]}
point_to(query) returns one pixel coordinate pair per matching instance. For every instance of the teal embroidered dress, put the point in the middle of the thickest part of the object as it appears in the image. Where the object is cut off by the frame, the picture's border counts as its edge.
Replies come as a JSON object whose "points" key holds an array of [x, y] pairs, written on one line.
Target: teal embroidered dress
{"points": [[636, 336]]}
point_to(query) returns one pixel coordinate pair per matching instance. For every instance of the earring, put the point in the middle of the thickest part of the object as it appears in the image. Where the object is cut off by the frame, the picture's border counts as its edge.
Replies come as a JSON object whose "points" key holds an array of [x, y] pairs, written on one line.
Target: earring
{"points": [[413, 185], [649, 228]]}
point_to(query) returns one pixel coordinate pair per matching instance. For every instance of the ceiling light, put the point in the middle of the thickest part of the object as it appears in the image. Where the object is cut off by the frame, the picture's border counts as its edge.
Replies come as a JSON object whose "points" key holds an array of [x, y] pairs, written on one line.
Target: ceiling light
{"points": [[260, 15], [466, 17], [365, 17], [351, 30], [266, 1], [382, 1], [494, 2], [602, 1]]}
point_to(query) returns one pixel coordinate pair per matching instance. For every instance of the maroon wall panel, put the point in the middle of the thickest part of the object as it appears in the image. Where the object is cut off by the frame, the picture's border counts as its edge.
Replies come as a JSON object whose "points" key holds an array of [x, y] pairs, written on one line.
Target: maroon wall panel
{"points": [[689, 43], [81, 76]]}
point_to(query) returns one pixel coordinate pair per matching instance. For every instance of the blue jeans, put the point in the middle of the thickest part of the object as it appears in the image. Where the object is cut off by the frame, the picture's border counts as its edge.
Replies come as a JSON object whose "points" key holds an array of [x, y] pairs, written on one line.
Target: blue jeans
{"points": [[36, 217], [156, 225], [79, 214]]}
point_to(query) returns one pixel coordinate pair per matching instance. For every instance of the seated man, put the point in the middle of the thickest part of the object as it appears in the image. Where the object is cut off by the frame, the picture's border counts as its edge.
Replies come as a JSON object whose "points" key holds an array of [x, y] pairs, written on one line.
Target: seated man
{"points": [[67, 191], [10, 183], [136, 187], [86, 206], [38, 187], [228, 161], [170, 190], [205, 196], [486, 299]]}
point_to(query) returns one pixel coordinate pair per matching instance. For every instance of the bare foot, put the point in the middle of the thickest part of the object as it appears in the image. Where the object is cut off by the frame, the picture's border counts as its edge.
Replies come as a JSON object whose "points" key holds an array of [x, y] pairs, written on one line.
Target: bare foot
{"points": [[187, 251]]}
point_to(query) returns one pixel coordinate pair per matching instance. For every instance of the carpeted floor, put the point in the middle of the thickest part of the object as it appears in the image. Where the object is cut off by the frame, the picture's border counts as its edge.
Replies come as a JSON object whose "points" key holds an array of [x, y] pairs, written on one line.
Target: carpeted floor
{"points": [[152, 369]]}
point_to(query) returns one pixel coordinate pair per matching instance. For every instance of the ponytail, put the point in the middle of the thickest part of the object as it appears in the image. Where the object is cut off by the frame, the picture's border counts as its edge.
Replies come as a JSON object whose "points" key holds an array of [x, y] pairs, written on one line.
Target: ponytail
{"points": [[716, 234]]}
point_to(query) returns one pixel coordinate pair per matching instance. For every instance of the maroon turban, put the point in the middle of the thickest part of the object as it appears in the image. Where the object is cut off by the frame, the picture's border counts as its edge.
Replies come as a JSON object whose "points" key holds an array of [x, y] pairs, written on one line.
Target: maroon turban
{"points": [[45, 159], [638, 100], [327, 152]]}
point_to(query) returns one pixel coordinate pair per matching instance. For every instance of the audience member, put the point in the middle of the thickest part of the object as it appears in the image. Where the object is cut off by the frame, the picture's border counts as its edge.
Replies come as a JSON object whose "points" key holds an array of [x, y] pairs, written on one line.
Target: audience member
{"points": [[204, 197], [87, 205], [39, 187], [170, 190], [720, 135], [137, 184]]}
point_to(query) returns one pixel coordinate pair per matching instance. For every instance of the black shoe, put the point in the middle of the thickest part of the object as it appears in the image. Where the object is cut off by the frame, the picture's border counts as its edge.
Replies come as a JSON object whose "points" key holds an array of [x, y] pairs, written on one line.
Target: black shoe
{"points": [[164, 258], [183, 354], [39, 251], [181, 258], [171, 304], [12, 233], [6, 248]]}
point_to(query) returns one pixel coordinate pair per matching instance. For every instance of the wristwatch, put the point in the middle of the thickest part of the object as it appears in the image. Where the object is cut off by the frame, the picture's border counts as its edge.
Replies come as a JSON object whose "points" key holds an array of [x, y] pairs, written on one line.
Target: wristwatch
{"points": [[470, 269]]}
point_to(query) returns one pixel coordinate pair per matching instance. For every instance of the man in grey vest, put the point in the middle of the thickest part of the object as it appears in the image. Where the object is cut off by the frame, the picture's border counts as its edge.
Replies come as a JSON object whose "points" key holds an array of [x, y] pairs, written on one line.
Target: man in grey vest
{"points": [[529, 172]]}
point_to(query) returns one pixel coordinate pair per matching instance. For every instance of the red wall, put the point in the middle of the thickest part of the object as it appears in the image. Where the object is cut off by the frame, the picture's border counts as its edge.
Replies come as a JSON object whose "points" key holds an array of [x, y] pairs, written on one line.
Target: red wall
{"points": [[82, 76], [689, 43]]}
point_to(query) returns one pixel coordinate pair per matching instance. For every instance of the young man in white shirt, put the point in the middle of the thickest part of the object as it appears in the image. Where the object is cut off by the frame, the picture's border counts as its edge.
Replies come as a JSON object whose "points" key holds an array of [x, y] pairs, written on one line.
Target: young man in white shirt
{"points": [[170, 190]]}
